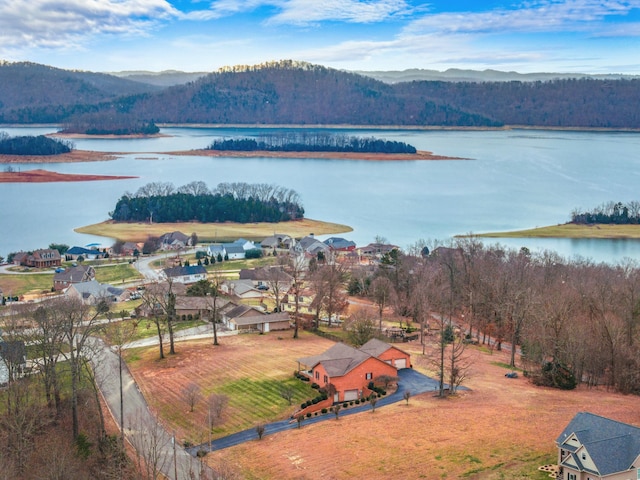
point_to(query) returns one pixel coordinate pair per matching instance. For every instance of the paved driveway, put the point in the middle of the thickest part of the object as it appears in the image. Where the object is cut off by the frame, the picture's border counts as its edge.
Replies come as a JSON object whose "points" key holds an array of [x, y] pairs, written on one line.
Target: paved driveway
{"points": [[409, 379]]}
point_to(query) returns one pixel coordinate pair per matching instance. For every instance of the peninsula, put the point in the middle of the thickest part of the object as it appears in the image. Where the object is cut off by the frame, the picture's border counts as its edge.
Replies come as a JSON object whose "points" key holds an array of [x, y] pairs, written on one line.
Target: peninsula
{"points": [[570, 230], [140, 231]]}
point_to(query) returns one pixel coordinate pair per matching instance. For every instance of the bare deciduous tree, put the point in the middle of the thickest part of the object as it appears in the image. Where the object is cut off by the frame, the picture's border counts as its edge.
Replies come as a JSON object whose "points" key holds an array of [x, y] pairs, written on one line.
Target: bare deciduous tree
{"points": [[192, 394]]}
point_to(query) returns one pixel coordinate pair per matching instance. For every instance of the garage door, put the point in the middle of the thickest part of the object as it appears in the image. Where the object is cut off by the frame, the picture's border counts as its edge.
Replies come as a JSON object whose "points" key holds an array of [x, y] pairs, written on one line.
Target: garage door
{"points": [[401, 363], [350, 395]]}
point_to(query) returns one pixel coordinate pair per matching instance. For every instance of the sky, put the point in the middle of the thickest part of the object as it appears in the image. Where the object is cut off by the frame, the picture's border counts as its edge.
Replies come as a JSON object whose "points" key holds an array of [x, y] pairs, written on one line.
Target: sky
{"points": [[586, 36]]}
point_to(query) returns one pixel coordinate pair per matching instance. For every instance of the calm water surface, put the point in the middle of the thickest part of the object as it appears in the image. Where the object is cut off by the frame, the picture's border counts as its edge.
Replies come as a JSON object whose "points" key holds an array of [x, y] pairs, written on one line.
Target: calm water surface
{"points": [[513, 180]]}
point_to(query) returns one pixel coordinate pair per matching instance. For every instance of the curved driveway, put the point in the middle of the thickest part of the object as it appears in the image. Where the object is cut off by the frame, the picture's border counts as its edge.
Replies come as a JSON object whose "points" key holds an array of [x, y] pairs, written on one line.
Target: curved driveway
{"points": [[409, 380]]}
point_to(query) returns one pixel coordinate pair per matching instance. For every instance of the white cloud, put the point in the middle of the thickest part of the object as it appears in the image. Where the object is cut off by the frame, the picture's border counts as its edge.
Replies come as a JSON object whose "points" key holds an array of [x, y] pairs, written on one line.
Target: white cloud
{"points": [[304, 12], [66, 23], [532, 17]]}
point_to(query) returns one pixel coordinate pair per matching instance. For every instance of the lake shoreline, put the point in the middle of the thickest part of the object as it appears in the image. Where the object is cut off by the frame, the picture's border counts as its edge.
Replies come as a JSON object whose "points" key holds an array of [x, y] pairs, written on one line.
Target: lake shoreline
{"points": [[45, 176], [213, 232], [569, 231]]}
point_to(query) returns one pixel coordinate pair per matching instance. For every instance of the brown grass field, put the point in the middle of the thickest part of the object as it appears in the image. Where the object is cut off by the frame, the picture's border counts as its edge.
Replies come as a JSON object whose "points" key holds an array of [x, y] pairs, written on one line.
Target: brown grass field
{"points": [[571, 230], [139, 232], [501, 429]]}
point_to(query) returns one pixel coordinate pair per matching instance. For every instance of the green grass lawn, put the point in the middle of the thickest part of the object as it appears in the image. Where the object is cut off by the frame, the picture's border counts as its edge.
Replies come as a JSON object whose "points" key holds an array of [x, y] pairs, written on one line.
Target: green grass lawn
{"points": [[20, 284], [114, 274], [12, 285]]}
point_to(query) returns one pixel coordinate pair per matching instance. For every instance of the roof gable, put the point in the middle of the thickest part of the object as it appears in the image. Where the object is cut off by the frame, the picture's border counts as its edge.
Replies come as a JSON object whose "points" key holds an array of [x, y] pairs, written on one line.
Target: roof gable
{"points": [[612, 446]]}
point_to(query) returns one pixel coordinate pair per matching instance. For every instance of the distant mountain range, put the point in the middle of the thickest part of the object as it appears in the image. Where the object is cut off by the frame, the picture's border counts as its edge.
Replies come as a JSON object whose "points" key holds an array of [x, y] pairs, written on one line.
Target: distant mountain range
{"points": [[288, 92]]}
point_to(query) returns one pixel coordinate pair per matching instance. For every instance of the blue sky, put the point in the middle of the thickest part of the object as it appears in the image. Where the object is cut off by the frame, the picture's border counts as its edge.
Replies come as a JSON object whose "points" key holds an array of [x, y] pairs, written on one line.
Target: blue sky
{"points": [[589, 36]]}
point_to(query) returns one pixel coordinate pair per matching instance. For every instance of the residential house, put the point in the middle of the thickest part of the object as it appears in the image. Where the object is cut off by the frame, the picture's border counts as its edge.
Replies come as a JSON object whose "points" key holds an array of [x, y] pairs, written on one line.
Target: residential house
{"points": [[216, 249], [39, 259], [278, 241], [13, 360], [198, 307], [242, 290], [349, 370], [185, 274], [78, 274], [593, 447], [267, 277], [376, 250], [311, 246], [92, 292], [75, 253], [174, 241], [129, 248], [306, 298], [387, 353], [338, 244], [244, 318], [234, 251]]}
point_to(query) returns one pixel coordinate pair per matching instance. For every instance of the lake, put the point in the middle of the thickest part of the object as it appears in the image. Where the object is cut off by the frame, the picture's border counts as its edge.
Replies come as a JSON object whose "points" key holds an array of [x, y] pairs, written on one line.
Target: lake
{"points": [[513, 179]]}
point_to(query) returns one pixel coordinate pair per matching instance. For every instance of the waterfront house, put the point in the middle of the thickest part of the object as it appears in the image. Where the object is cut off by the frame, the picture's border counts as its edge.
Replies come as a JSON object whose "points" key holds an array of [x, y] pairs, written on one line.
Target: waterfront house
{"points": [[592, 447]]}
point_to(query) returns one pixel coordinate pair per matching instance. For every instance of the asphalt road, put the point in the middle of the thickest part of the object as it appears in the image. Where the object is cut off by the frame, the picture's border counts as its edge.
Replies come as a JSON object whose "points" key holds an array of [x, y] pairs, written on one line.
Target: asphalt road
{"points": [[409, 380]]}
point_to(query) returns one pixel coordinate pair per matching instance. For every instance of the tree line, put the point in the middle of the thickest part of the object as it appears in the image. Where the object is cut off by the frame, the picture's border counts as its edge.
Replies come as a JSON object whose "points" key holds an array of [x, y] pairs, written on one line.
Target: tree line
{"points": [[51, 421], [616, 213], [574, 321], [303, 94], [32, 145], [104, 124], [312, 142], [229, 202]]}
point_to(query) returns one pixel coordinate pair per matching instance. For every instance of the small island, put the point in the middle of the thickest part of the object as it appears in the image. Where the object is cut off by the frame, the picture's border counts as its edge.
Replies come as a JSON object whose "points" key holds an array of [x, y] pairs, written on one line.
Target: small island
{"points": [[100, 124], [228, 211], [312, 142]]}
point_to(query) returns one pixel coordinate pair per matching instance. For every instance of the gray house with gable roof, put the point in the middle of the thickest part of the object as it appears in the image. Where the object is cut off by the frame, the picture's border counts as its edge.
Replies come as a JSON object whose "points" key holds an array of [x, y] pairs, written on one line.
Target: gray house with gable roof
{"points": [[593, 447]]}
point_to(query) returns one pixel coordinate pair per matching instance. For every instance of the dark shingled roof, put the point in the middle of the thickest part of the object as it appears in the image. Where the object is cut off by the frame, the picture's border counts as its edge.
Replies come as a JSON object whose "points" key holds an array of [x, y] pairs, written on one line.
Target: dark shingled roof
{"points": [[613, 446]]}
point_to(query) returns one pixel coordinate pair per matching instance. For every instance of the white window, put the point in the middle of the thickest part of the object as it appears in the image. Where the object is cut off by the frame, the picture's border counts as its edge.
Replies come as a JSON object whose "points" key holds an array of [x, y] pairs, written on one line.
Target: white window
{"points": [[369, 376]]}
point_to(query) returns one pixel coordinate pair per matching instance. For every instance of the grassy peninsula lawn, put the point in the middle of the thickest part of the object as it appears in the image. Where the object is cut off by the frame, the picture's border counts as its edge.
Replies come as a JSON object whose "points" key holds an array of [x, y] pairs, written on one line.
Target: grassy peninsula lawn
{"points": [[570, 230], [209, 232]]}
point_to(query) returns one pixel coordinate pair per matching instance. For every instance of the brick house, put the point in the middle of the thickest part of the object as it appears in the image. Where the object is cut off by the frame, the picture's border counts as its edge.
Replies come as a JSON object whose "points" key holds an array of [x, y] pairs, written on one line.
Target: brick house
{"points": [[350, 370], [39, 258], [592, 447]]}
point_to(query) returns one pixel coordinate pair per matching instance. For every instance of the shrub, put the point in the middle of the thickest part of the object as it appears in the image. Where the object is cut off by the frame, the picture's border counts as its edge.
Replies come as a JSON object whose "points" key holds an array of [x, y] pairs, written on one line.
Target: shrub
{"points": [[351, 402], [357, 402], [308, 414], [345, 404], [315, 385], [324, 410]]}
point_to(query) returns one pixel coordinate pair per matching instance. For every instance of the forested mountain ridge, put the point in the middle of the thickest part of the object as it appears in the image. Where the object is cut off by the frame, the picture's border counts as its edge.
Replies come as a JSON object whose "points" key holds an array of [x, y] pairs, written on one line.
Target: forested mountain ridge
{"points": [[27, 87], [290, 92]]}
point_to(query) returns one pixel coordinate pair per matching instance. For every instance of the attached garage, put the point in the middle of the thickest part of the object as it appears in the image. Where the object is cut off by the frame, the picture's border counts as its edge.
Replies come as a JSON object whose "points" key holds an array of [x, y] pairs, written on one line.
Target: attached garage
{"points": [[401, 363], [350, 395]]}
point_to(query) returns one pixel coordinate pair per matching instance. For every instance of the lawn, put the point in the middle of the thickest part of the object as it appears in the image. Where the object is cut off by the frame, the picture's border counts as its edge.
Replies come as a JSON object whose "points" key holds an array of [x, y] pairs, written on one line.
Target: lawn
{"points": [[118, 273], [250, 369], [570, 230], [213, 232], [12, 285], [35, 283], [500, 429]]}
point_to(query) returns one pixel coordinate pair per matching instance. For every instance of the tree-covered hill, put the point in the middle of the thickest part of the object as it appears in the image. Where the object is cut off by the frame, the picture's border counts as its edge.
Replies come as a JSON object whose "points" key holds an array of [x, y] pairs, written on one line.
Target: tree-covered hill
{"points": [[30, 92], [290, 92]]}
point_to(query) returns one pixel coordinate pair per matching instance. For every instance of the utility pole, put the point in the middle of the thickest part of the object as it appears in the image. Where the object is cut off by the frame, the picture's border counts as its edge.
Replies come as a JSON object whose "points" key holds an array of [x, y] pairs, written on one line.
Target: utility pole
{"points": [[175, 456]]}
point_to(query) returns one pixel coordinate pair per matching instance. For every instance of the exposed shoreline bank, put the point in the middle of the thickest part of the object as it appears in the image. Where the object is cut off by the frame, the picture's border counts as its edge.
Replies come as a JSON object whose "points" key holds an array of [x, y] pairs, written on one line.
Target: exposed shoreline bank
{"points": [[571, 231], [46, 176], [139, 232]]}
